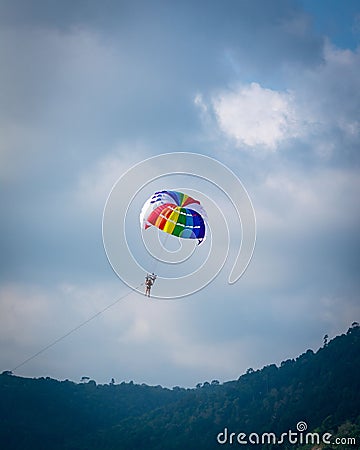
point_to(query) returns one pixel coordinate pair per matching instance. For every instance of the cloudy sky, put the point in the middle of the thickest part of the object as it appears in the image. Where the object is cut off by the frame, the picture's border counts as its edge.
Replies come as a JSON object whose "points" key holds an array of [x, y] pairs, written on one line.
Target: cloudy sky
{"points": [[88, 89]]}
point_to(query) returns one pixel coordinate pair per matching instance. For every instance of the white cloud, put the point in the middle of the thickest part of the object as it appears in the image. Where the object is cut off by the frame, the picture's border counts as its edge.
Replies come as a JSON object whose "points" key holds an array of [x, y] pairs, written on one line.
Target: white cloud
{"points": [[199, 102], [163, 333], [319, 200], [319, 107], [253, 115]]}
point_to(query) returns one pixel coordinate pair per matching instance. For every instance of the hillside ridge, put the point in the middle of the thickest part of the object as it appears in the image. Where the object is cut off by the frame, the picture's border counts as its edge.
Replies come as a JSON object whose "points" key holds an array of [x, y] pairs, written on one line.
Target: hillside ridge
{"points": [[321, 389]]}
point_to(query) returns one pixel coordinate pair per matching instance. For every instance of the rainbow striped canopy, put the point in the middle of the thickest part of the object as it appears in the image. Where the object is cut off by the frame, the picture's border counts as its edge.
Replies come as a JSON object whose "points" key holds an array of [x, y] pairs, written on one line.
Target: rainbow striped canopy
{"points": [[175, 213]]}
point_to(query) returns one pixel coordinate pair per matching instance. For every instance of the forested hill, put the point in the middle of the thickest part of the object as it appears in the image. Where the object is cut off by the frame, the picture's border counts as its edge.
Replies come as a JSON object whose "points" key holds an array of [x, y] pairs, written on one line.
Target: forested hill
{"points": [[321, 389]]}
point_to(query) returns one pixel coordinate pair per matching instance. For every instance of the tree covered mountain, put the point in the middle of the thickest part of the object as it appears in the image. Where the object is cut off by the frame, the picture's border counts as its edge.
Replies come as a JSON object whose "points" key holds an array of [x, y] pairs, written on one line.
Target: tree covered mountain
{"points": [[321, 389]]}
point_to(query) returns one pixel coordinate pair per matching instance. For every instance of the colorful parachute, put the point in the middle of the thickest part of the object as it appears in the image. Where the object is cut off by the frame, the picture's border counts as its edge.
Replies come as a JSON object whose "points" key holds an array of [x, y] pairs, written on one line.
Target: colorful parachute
{"points": [[175, 213]]}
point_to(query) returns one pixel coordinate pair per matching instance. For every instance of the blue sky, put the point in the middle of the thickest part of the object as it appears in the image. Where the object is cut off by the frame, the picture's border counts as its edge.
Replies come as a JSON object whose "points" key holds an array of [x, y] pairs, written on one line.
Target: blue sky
{"points": [[270, 89]]}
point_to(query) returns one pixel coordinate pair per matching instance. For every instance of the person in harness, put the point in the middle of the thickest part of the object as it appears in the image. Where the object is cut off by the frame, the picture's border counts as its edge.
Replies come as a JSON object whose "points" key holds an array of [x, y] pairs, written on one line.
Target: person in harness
{"points": [[149, 281]]}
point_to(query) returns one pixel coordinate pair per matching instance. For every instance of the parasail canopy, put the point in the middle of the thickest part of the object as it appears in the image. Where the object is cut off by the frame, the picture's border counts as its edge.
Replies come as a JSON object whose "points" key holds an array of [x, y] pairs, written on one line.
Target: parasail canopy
{"points": [[175, 213]]}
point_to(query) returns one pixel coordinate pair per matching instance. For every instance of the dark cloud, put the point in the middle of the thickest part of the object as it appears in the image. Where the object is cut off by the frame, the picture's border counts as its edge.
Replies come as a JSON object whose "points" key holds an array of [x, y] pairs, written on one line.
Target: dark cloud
{"points": [[81, 77]]}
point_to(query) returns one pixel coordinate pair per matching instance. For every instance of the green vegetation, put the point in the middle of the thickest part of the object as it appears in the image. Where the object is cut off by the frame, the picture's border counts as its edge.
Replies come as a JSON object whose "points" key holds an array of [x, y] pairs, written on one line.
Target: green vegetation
{"points": [[321, 389]]}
